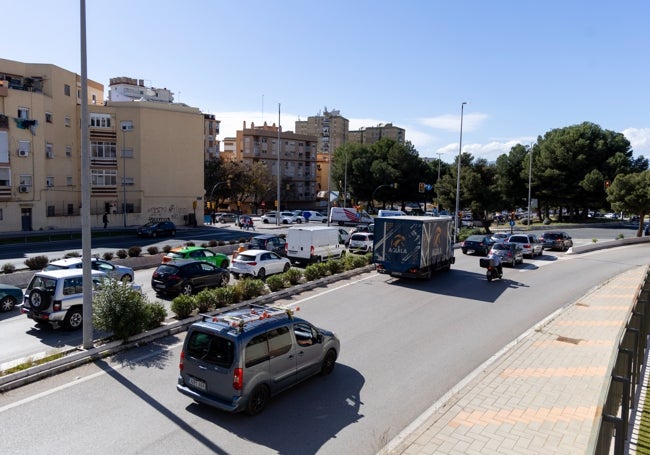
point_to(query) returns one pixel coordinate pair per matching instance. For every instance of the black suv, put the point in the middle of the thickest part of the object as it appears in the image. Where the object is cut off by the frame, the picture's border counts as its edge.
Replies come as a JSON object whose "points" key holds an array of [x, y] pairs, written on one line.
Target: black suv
{"points": [[155, 228], [269, 242]]}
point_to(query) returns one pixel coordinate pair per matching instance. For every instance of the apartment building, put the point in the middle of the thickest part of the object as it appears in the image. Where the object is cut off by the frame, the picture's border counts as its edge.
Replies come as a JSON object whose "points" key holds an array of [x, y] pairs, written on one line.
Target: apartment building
{"points": [[146, 155], [372, 134], [296, 164], [331, 131]]}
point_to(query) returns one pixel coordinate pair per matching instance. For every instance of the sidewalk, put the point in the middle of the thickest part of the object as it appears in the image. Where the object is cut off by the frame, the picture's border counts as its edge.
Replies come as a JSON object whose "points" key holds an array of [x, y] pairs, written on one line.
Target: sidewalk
{"points": [[542, 394]]}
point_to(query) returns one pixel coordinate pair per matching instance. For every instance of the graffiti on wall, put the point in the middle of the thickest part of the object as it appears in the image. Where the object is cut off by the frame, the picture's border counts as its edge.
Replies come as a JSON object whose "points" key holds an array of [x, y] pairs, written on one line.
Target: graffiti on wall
{"points": [[171, 211]]}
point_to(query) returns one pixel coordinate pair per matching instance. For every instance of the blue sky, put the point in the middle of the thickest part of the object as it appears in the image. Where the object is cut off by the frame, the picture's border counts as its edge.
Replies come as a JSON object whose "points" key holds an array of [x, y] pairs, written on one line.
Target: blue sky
{"points": [[523, 67]]}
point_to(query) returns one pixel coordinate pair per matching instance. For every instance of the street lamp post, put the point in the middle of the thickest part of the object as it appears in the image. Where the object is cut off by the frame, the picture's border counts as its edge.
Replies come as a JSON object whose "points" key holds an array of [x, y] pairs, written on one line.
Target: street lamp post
{"points": [[438, 183], [530, 174], [125, 128], [460, 148], [345, 180]]}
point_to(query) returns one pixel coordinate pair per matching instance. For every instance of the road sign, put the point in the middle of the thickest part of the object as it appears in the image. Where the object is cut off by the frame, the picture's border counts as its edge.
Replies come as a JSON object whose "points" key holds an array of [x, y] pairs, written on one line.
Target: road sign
{"points": [[512, 223]]}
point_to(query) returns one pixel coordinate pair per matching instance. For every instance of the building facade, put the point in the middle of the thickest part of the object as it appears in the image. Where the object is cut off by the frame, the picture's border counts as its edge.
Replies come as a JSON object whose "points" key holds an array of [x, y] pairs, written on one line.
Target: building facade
{"points": [[146, 157], [372, 134], [296, 165]]}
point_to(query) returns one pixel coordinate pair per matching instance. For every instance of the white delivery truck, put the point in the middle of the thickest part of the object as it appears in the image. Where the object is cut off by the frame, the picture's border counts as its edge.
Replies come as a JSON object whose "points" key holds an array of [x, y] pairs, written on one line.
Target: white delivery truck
{"points": [[343, 216], [306, 244]]}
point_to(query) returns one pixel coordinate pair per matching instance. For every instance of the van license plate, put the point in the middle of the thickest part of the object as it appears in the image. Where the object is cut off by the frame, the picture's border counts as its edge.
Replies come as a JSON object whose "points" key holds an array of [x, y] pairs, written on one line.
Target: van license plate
{"points": [[197, 383]]}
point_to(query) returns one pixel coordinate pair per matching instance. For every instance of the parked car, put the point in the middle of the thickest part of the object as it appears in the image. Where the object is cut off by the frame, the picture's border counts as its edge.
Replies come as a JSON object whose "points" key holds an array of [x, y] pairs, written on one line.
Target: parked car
{"points": [[314, 216], [258, 264], [477, 244], [240, 368], [56, 296], [10, 296], [509, 253], [531, 245], [157, 228], [117, 272], [500, 237], [296, 216], [361, 242], [344, 236], [557, 240], [269, 242], [196, 253], [363, 228], [188, 278], [227, 217], [272, 217]]}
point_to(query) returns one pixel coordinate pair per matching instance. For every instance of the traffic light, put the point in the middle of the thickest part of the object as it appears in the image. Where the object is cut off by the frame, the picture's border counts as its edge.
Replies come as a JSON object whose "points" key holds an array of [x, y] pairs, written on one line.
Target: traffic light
{"points": [[421, 187], [607, 183], [512, 216]]}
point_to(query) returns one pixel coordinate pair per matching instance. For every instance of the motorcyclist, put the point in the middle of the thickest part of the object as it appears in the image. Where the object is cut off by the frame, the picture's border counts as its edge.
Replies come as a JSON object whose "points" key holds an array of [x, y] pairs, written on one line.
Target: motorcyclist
{"points": [[497, 262]]}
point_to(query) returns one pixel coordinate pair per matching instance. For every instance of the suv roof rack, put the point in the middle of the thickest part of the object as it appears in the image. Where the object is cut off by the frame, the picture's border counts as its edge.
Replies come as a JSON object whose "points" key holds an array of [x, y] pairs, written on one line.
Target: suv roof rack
{"points": [[256, 313]]}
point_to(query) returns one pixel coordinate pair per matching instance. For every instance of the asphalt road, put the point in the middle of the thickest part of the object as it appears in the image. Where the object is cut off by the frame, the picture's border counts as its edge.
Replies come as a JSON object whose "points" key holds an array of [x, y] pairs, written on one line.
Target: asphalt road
{"points": [[404, 345]]}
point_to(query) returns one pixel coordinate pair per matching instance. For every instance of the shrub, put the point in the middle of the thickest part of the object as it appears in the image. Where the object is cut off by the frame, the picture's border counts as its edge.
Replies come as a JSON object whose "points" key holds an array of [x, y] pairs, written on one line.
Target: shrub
{"points": [[152, 250], [72, 254], [108, 255], [335, 266], [204, 245], [36, 262], [250, 288], [232, 241], [156, 314], [620, 237], [222, 243], [276, 282], [122, 254], [293, 275], [120, 309], [323, 269], [212, 243], [312, 272], [166, 249], [190, 243], [182, 306], [8, 268], [134, 251], [206, 300], [226, 295]]}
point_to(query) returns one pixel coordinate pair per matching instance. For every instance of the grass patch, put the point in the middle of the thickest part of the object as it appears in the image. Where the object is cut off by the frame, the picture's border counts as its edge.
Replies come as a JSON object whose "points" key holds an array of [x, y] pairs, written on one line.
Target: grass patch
{"points": [[32, 363]]}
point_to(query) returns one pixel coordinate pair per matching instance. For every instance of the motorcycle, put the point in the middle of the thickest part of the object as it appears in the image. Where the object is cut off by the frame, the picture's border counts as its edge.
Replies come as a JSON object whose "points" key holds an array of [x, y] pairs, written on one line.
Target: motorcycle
{"points": [[494, 271]]}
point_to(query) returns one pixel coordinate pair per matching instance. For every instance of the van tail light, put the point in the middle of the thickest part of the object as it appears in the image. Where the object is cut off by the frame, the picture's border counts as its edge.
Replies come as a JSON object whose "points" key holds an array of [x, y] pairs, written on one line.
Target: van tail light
{"points": [[181, 364], [238, 379], [311, 250]]}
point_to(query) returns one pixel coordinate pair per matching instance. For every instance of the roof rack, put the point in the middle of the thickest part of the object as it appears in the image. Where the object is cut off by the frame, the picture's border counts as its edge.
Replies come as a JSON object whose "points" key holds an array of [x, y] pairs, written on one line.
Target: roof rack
{"points": [[256, 313]]}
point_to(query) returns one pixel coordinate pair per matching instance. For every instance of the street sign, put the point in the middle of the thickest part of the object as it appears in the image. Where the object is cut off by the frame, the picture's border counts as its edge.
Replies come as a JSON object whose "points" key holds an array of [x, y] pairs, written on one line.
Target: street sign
{"points": [[512, 223]]}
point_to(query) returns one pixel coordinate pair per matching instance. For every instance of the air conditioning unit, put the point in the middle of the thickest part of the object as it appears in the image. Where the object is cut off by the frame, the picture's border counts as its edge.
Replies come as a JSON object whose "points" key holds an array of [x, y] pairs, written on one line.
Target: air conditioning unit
{"points": [[23, 189], [23, 153]]}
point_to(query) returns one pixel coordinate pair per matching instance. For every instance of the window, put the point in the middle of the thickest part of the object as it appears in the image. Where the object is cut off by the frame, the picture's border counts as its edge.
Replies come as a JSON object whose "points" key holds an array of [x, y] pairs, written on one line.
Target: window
{"points": [[68, 181], [279, 341], [100, 149], [66, 90], [68, 150], [67, 120], [49, 150], [48, 117], [70, 209], [304, 334], [210, 348], [51, 211], [49, 181], [23, 113], [100, 120], [24, 147], [25, 180], [103, 177], [5, 176]]}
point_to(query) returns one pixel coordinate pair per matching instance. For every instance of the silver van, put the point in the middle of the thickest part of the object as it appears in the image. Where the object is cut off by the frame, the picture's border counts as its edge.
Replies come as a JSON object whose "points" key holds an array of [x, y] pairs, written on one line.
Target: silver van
{"points": [[236, 361]]}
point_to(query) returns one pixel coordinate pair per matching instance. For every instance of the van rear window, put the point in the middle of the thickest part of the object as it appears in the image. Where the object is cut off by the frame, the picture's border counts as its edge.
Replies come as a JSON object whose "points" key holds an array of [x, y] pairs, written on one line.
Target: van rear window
{"points": [[211, 348]]}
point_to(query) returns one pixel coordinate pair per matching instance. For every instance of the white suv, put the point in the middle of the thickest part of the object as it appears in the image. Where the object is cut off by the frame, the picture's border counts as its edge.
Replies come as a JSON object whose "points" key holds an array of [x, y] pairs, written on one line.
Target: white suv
{"points": [[56, 296]]}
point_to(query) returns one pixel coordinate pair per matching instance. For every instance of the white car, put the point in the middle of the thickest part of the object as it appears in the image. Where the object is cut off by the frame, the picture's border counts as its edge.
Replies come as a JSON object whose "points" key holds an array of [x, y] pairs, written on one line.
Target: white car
{"points": [[258, 264], [271, 218], [361, 242], [295, 216], [117, 272]]}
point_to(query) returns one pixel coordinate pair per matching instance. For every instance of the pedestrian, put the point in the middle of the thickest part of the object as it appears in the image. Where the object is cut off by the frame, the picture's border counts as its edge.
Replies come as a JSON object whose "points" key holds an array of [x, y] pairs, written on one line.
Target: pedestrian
{"points": [[105, 219], [306, 215], [249, 221]]}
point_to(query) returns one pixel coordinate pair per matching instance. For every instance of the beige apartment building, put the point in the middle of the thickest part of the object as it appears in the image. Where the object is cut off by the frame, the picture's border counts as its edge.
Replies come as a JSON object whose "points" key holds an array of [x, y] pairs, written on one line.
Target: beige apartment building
{"points": [[372, 134], [331, 131], [146, 154], [296, 165]]}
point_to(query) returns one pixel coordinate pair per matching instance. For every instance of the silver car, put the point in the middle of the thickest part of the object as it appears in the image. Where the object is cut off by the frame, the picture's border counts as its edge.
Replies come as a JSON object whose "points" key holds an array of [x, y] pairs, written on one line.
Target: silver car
{"points": [[114, 271], [236, 361], [529, 243]]}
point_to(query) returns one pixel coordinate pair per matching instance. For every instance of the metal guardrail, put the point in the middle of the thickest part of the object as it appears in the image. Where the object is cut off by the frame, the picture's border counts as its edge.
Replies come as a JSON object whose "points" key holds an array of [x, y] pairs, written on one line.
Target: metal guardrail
{"points": [[622, 396]]}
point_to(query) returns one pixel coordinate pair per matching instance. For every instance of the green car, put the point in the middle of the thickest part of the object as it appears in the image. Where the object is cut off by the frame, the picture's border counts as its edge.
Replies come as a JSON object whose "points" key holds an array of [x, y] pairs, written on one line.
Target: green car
{"points": [[196, 253]]}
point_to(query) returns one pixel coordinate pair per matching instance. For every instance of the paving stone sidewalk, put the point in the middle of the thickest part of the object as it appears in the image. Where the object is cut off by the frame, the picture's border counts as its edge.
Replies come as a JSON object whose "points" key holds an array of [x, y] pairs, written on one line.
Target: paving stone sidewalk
{"points": [[543, 394]]}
